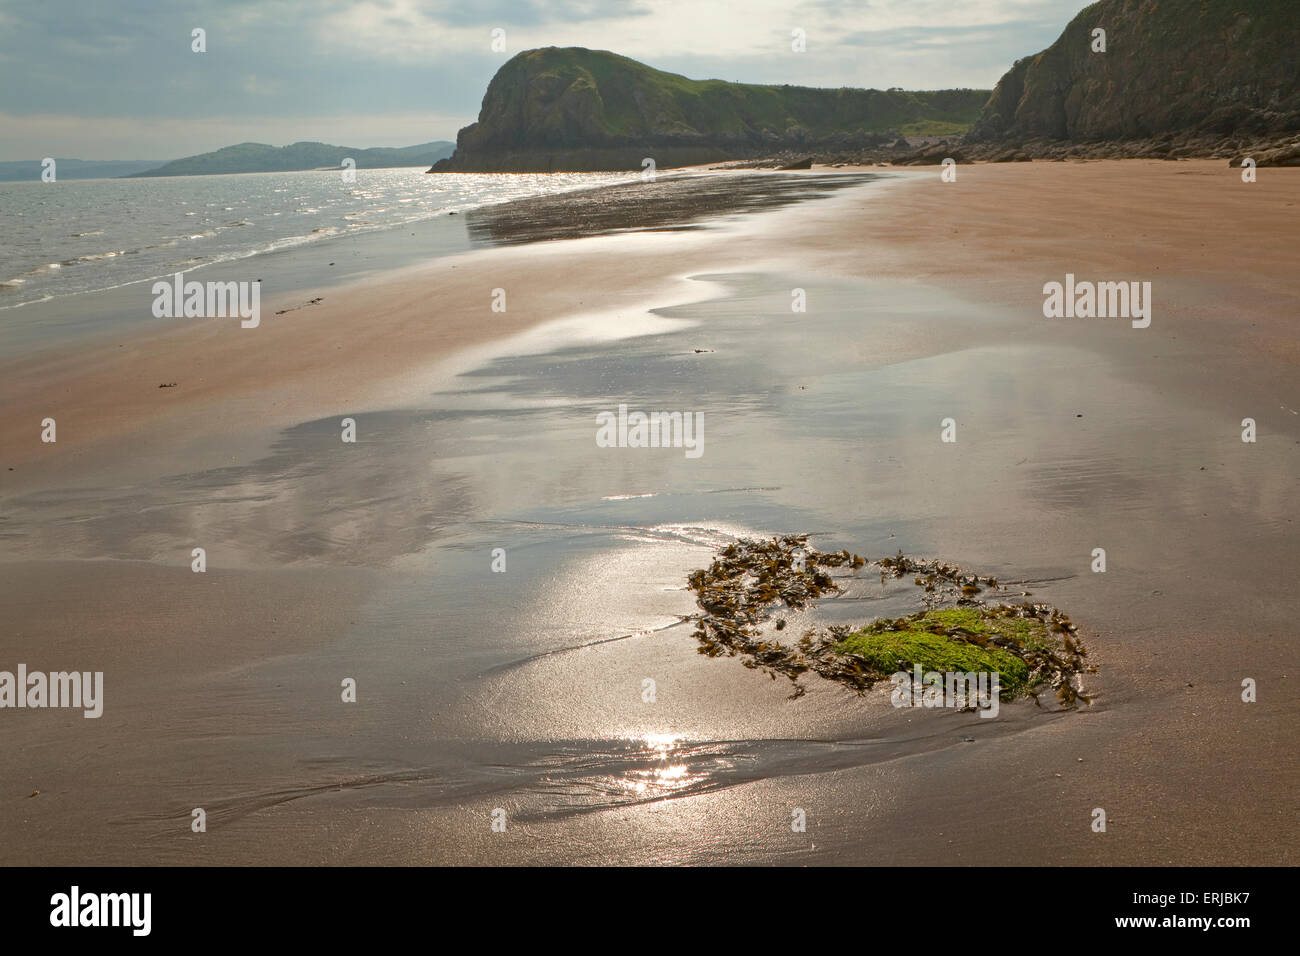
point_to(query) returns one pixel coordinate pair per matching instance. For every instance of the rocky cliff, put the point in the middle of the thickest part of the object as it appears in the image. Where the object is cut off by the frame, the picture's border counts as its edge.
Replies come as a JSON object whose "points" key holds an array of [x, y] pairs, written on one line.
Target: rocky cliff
{"points": [[1190, 72], [579, 109]]}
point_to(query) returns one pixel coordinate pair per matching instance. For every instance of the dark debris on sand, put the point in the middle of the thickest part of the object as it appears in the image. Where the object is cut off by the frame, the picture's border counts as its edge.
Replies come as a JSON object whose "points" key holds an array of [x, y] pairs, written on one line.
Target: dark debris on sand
{"points": [[667, 203]]}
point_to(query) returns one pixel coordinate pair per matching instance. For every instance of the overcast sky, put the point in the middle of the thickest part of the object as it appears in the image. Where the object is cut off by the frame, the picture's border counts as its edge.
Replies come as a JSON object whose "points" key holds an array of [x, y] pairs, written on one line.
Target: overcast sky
{"points": [[116, 79]]}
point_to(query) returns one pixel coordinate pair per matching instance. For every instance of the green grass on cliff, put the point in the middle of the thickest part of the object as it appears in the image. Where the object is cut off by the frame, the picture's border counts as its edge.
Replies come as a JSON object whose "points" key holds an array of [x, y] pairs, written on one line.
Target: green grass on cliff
{"points": [[632, 99], [933, 128]]}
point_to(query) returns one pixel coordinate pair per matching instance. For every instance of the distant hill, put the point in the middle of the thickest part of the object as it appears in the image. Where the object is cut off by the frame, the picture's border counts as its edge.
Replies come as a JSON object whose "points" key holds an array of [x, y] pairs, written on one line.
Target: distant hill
{"points": [[578, 109], [18, 170], [1197, 72], [261, 158]]}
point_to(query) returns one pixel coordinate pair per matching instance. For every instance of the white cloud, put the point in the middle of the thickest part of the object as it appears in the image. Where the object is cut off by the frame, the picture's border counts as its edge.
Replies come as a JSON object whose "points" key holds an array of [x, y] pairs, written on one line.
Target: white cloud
{"points": [[412, 30]]}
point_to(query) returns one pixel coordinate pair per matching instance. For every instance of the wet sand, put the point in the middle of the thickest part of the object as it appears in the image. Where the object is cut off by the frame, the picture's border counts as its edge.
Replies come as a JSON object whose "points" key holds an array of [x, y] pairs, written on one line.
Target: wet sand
{"points": [[524, 690]]}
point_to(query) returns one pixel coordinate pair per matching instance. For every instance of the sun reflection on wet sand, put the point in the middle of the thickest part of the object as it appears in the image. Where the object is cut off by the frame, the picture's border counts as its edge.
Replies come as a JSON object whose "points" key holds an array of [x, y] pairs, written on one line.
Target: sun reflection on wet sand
{"points": [[664, 778], [662, 743]]}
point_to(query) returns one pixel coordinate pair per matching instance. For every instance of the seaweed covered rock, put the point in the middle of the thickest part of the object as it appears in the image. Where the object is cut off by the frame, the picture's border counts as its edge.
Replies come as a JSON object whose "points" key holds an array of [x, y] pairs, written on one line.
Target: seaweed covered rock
{"points": [[1029, 645]]}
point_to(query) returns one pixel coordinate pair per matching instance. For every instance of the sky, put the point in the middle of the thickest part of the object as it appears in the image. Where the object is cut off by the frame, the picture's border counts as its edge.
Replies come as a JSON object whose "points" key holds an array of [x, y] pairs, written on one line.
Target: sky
{"points": [[118, 79]]}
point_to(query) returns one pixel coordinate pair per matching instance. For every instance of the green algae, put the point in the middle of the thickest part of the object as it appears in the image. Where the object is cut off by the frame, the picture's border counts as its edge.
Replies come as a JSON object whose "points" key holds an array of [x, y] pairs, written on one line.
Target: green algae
{"points": [[957, 639]]}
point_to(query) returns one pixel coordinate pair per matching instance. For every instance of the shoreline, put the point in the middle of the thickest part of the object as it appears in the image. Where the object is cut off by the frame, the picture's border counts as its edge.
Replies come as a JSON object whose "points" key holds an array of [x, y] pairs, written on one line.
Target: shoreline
{"points": [[110, 386]]}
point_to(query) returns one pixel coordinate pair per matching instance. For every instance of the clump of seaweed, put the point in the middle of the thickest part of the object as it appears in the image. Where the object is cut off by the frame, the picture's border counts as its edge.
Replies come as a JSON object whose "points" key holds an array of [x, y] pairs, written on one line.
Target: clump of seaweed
{"points": [[1030, 645], [747, 579]]}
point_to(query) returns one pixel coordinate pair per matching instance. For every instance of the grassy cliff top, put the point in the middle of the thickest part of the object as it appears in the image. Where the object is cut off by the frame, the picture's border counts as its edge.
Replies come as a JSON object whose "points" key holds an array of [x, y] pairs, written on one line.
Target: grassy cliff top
{"points": [[636, 98]]}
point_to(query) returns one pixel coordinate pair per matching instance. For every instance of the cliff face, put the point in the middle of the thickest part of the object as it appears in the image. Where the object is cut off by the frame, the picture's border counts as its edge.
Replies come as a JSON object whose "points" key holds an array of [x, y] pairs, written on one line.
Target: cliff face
{"points": [[1204, 68], [579, 109]]}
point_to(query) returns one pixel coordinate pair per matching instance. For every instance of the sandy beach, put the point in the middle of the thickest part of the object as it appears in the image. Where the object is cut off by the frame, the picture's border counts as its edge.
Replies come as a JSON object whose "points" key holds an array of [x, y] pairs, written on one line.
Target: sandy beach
{"points": [[998, 233], [523, 690]]}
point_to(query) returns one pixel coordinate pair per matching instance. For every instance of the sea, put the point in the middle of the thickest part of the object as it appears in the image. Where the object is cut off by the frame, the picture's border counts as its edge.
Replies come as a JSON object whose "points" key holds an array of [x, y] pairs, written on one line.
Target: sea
{"points": [[69, 238]]}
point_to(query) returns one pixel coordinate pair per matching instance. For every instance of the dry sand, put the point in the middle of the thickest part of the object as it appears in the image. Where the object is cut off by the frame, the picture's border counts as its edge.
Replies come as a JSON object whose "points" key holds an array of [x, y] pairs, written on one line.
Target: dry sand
{"points": [[1004, 227]]}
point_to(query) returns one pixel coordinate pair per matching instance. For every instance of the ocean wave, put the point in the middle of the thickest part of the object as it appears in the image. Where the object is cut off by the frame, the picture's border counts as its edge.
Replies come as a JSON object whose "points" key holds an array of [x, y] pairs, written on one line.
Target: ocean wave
{"points": [[285, 242], [93, 257], [18, 305]]}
